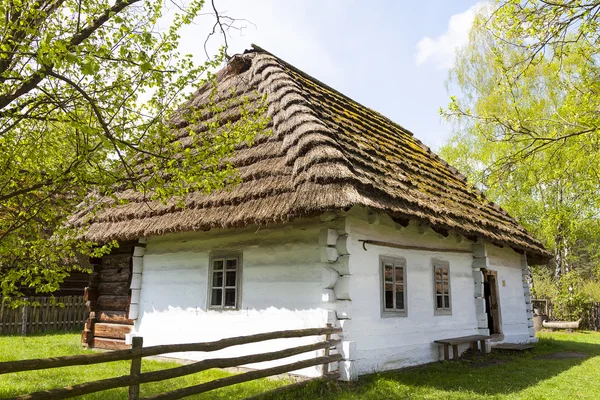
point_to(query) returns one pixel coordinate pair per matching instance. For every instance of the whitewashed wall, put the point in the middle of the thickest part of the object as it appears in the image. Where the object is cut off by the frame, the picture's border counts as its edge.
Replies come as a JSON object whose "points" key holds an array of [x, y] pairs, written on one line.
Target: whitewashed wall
{"points": [[513, 314], [396, 342], [281, 289]]}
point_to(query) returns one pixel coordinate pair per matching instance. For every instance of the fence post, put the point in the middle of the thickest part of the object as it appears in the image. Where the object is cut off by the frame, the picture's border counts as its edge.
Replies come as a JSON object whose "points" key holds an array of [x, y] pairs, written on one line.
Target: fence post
{"points": [[327, 350], [136, 367], [24, 318]]}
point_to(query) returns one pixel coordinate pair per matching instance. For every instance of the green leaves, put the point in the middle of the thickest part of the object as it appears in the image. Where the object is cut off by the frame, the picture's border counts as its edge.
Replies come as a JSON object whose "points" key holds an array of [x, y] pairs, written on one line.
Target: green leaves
{"points": [[527, 126], [87, 89]]}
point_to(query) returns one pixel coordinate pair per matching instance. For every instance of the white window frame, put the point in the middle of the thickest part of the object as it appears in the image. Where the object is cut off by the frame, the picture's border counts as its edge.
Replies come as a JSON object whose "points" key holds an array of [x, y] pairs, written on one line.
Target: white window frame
{"points": [[444, 310], [238, 281], [396, 262]]}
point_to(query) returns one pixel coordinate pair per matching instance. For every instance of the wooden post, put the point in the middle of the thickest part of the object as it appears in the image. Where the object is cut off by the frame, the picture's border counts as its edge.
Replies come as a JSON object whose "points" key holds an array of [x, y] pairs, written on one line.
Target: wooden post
{"points": [[136, 367], [326, 352], [455, 352], [24, 318]]}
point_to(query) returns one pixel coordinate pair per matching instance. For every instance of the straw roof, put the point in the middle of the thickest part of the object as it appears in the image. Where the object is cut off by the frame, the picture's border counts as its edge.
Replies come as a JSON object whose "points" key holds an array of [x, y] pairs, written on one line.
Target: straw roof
{"points": [[326, 152]]}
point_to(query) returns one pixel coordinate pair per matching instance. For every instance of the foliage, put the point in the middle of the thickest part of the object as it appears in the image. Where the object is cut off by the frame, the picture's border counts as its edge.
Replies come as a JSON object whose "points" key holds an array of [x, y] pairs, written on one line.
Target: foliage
{"points": [[544, 287], [570, 302], [591, 289], [87, 90], [527, 123]]}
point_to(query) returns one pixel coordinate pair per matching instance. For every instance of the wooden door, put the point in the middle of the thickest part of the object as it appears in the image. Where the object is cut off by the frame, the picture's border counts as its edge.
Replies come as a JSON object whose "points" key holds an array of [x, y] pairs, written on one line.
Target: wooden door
{"points": [[492, 302]]}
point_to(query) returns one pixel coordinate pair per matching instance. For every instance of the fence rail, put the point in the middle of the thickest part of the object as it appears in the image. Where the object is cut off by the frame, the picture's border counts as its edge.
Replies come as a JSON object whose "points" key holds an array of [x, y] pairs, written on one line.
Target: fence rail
{"points": [[590, 320], [135, 378], [67, 313]]}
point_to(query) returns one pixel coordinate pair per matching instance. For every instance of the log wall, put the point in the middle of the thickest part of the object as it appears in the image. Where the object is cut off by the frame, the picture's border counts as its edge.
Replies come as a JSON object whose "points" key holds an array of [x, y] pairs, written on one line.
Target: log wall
{"points": [[108, 298]]}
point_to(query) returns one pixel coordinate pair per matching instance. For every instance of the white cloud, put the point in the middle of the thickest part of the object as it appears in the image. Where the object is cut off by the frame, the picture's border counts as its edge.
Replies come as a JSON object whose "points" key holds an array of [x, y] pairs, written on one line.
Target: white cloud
{"points": [[441, 51]]}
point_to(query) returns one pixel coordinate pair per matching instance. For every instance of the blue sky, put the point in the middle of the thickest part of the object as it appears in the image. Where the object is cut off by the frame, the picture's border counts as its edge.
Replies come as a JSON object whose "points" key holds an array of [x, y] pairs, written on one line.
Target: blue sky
{"points": [[391, 56]]}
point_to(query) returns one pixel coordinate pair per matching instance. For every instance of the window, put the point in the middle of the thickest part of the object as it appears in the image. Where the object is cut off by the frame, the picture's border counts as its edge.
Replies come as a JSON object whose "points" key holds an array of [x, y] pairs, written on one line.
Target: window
{"points": [[441, 277], [393, 272], [224, 283]]}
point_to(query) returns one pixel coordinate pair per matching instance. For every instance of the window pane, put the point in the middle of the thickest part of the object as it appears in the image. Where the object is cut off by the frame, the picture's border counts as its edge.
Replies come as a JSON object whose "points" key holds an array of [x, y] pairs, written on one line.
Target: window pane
{"points": [[217, 279], [389, 296], [399, 299], [229, 297], [399, 276], [438, 288], [218, 264], [232, 263], [215, 298], [439, 304], [438, 274], [447, 301], [445, 274], [230, 280], [388, 273]]}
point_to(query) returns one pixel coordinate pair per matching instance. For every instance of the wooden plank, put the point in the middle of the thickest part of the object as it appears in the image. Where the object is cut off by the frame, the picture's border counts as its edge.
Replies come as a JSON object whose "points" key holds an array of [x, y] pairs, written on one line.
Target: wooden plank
{"points": [[87, 359], [245, 377], [126, 380], [114, 317], [462, 339], [113, 303], [115, 331]]}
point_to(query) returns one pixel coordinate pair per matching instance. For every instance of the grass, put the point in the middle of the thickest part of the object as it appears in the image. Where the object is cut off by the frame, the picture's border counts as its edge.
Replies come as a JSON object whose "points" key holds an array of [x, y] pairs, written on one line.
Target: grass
{"points": [[510, 376], [14, 348]]}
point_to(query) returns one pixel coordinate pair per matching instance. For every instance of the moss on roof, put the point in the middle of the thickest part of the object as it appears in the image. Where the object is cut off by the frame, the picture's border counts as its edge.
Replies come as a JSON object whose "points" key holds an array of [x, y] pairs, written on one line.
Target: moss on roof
{"points": [[326, 152]]}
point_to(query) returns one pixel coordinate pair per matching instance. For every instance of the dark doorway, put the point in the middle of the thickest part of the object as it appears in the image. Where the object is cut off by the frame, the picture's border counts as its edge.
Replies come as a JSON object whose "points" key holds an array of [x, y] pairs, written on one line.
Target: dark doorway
{"points": [[492, 301]]}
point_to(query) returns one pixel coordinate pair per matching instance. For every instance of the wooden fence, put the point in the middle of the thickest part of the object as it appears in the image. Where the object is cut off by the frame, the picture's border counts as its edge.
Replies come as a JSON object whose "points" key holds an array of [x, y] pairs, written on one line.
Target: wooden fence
{"points": [[67, 313], [590, 321], [136, 377]]}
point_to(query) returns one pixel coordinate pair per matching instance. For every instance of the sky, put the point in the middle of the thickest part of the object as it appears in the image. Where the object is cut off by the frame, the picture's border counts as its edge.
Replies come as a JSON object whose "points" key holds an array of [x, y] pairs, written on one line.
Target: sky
{"points": [[391, 56]]}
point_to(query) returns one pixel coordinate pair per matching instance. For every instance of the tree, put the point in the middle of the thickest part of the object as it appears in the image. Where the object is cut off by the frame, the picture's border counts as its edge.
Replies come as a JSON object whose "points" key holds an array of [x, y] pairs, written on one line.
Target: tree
{"points": [[87, 89], [527, 120]]}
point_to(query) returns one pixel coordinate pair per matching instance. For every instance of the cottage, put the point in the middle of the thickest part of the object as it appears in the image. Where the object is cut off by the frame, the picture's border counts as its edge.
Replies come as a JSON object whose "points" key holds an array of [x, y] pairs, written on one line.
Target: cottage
{"points": [[341, 216]]}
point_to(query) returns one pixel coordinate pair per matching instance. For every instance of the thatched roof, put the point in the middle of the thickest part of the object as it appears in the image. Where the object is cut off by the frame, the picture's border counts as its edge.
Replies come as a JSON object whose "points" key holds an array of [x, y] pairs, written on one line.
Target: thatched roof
{"points": [[326, 152]]}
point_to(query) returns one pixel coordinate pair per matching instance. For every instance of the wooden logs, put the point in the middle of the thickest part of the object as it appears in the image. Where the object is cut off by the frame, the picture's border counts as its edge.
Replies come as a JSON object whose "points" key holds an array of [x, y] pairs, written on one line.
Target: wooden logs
{"points": [[114, 275], [113, 331], [113, 317], [116, 261], [114, 288], [113, 303], [110, 344], [561, 324]]}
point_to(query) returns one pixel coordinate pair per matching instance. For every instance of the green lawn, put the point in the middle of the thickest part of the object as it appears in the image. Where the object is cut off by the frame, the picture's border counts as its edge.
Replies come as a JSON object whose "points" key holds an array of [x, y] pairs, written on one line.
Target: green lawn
{"points": [[509, 376], [62, 344]]}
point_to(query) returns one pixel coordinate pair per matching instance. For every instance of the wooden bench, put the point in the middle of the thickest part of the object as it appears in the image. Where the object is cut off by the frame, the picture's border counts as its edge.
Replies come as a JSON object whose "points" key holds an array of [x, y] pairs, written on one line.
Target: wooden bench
{"points": [[454, 342]]}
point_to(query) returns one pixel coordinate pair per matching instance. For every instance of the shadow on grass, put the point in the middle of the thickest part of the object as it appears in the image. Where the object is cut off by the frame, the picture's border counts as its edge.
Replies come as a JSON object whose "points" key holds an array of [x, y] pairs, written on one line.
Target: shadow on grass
{"points": [[511, 373]]}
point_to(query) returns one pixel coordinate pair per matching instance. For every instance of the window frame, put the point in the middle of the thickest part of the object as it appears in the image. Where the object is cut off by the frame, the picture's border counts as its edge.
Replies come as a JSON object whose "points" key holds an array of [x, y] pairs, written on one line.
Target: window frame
{"points": [[386, 313], [238, 281], [436, 263]]}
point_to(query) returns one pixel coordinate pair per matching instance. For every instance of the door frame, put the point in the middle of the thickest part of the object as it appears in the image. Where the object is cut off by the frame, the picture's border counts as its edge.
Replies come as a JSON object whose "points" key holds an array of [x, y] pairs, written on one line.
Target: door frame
{"points": [[491, 278]]}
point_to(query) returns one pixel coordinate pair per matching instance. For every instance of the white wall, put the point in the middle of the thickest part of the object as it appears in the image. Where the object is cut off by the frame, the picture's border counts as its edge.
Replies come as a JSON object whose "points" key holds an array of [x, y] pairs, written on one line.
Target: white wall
{"points": [[513, 314], [281, 289], [395, 342]]}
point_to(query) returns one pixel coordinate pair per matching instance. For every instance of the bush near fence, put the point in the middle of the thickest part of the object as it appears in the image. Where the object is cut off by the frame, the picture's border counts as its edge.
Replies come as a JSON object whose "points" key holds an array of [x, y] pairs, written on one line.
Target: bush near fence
{"points": [[590, 320], [67, 313]]}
